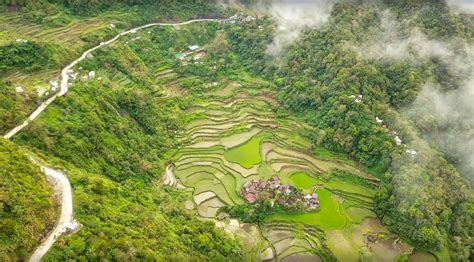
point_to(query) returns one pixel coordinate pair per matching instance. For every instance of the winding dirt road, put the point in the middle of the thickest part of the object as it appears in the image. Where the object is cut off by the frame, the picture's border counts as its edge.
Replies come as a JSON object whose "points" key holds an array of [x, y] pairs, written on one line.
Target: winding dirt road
{"points": [[169, 180], [65, 71], [62, 190], [57, 179]]}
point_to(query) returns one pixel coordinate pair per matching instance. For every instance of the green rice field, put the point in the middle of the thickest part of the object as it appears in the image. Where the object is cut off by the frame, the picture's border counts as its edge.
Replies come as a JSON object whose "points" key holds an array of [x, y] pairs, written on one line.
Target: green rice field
{"points": [[247, 155], [303, 181], [233, 137], [330, 215]]}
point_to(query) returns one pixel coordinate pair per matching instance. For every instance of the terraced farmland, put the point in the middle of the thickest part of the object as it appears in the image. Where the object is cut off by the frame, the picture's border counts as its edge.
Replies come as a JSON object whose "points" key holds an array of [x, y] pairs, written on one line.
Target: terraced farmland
{"points": [[234, 137]]}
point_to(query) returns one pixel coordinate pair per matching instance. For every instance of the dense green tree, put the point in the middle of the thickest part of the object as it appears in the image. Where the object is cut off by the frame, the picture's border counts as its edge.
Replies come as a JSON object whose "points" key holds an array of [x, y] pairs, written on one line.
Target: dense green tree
{"points": [[113, 138], [27, 209], [320, 76]]}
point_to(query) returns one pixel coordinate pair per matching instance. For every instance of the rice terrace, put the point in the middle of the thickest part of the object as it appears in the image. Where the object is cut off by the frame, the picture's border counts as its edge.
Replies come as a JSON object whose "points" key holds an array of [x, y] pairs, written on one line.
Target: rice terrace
{"points": [[234, 135], [236, 130]]}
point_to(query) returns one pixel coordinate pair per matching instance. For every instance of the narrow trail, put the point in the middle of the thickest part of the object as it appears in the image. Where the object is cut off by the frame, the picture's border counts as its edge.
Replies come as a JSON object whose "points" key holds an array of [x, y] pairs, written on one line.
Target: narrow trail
{"points": [[57, 179], [169, 180], [62, 190]]}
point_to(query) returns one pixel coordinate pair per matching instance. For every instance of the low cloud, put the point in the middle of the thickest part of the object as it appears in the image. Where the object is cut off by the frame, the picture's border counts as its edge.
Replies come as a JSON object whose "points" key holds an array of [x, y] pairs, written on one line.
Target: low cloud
{"points": [[462, 6], [395, 42], [292, 17], [229, 4], [447, 117], [444, 114]]}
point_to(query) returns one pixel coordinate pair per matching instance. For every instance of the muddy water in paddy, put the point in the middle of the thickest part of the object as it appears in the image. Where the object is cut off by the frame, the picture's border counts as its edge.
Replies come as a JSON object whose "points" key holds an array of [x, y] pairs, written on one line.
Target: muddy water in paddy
{"points": [[420, 256]]}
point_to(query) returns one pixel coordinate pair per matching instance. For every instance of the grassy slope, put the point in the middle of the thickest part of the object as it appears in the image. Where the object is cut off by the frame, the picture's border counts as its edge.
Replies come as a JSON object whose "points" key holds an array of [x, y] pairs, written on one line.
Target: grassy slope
{"points": [[136, 220]]}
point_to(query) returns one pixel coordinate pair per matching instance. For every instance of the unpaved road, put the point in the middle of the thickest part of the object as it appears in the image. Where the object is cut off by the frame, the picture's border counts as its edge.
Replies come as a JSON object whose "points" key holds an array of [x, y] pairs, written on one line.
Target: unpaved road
{"points": [[65, 71], [62, 190], [170, 180], [57, 179]]}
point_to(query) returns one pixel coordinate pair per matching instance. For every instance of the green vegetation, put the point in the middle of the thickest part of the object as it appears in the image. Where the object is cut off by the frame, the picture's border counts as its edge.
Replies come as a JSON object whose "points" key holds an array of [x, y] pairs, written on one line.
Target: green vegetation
{"points": [[42, 8], [38, 38], [235, 115], [247, 155], [324, 153], [113, 136], [302, 180], [357, 214], [135, 127], [320, 91], [329, 216], [9, 100], [290, 240], [27, 210], [28, 56], [203, 164], [137, 220]]}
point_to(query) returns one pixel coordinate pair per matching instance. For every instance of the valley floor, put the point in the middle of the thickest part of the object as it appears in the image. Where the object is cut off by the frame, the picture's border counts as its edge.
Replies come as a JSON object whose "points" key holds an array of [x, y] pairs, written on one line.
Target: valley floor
{"points": [[111, 130]]}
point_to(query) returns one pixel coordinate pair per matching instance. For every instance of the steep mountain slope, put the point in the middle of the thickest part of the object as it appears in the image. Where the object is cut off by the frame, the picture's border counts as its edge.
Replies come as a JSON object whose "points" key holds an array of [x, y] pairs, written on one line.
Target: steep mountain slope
{"points": [[114, 131], [336, 113], [38, 38], [354, 77], [27, 208]]}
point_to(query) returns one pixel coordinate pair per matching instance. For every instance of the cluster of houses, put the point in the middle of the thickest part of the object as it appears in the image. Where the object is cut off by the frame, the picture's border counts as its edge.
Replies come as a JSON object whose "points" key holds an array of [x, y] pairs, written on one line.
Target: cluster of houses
{"points": [[193, 52], [54, 85], [75, 75], [282, 194], [240, 18]]}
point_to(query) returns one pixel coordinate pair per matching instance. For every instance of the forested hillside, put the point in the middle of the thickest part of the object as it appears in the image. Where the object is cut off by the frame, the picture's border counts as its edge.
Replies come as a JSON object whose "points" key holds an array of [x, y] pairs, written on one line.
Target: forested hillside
{"points": [[328, 78], [27, 209], [114, 135], [382, 88], [38, 38], [87, 6]]}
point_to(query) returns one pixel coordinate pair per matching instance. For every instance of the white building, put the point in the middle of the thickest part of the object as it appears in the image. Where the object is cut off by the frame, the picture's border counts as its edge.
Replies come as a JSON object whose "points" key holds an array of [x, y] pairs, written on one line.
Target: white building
{"points": [[19, 89], [398, 141], [413, 153], [193, 47]]}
